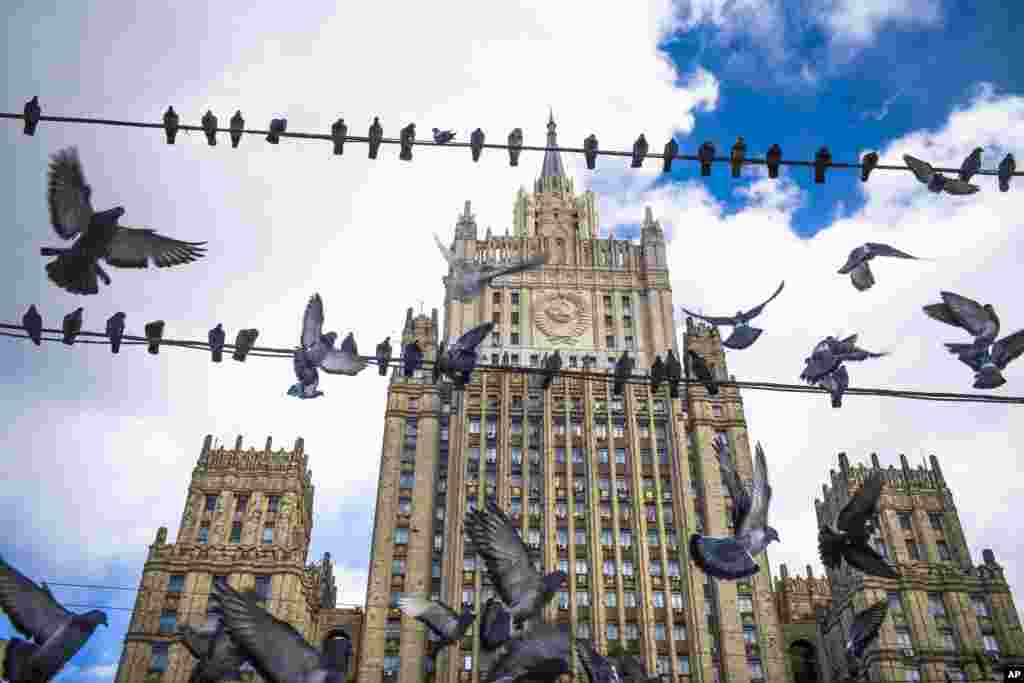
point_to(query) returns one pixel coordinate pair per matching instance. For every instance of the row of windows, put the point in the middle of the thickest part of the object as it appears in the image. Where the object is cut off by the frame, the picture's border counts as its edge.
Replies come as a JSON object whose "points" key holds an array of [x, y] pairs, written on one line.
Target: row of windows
{"points": [[242, 503], [944, 625], [235, 535], [560, 428], [497, 297], [393, 662]]}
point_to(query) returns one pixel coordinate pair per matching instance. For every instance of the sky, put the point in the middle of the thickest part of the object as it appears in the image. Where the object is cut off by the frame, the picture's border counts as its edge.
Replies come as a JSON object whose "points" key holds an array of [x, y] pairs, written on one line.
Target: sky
{"points": [[100, 448]]}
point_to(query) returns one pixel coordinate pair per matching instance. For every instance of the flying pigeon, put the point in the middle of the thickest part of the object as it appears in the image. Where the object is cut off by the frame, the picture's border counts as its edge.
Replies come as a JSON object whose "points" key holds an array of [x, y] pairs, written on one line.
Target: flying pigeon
{"points": [[219, 656], [772, 160], [867, 165], [640, 148], [170, 125], [277, 126], [72, 325], [476, 142], [658, 373], [971, 165], [210, 128], [702, 372], [412, 357], [443, 137], [515, 146], [857, 263], [552, 364], [590, 150], [446, 623], [935, 181], [383, 356], [743, 335], [671, 150], [216, 338], [76, 269], [467, 279], [631, 670], [458, 360], [981, 322], [864, 630], [848, 538], [523, 590], [623, 370], [376, 134], [306, 373], [739, 151], [277, 651], [829, 353], [32, 113], [319, 347], [495, 625], [542, 654], [733, 557], [237, 126], [673, 372], [836, 383], [1007, 167], [57, 633], [115, 330], [706, 155], [989, 364], [33, 324], [598, 668]]}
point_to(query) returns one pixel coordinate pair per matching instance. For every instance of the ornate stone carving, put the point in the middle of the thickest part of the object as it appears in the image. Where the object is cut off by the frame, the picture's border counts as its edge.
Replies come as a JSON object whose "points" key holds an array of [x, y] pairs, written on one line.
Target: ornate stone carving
{"points": [[562, 317]]}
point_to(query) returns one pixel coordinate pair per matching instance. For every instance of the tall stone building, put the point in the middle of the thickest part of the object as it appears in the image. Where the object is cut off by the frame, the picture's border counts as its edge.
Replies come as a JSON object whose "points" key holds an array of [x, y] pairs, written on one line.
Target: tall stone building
{"points": [[248, 519], [798, 600], [605, 488], [946, 615]]}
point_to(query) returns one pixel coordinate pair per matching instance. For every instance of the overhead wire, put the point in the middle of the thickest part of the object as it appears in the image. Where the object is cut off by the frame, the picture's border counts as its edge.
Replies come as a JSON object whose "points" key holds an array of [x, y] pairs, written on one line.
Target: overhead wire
{"points": [[489, 145], [606, 377]]}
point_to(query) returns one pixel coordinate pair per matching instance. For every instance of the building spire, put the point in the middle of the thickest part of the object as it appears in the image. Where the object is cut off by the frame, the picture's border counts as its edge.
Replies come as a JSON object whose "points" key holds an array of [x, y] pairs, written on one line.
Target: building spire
{"points": [[552, 159]]}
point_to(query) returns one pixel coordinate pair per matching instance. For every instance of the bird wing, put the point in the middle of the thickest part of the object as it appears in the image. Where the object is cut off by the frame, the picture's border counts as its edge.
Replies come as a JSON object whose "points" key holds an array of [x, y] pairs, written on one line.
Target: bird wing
{"points": [[226, 654], [942, 313], [959, 187], [448, 254], [866, 625], [740, 497], [720, 320], [276, 649], [829, 548], [527, 264], [969, 312], [135, 247], [468, 342], [504, 553], [31, 609], [305, 372], [862, 277], [879, 249], [632, 671], [346, 360], [756, 310], [722, 558], [68, 195], [970, 166], [864, 558], [855, 257], [438, 617], [847, 345], [312, 322], [1008, 349], [923, 171], [760, 496], [853, 518], [698, 365], [196, 642]]}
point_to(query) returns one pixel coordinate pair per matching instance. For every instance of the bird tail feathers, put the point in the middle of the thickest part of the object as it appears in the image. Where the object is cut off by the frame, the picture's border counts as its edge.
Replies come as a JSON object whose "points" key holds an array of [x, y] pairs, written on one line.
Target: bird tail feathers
{"points": [[52, 251], [16, 659], [295, 390], [958, 349], [74, 275]]}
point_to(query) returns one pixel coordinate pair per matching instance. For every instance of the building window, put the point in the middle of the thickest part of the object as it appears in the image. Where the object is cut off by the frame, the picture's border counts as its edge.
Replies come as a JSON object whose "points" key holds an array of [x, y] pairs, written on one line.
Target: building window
{"points": [[627, 568], [168, 621], [496, 298], [990, 643], [948, 642], [654, 568], [175, 583], [514, 339], [268, 534], [716, 410], [913, 551], [474, 425], [514, 297], [935, 606], [563, 600], [241, 503], [756, 670], [401, 535], [236, 533], [263, 587], [582, 599], [204, 533], [629, 599], [904, 519], [609, 342], [211, 503], [398, 567], [405, 506], [678, 632], [534, 360], [273, 503], [613, 631], [583, 629], [658, 599], [903, 638], [467, 662], [611, 599], [496, 317], [406, 480], [659, 629], [158, 657], [913, 675], [620, 453], [627, 321], [607, 300], [632, 632], [683, 664], [630, 343], [944, 554], [677, 600], [745, 604], [980, 606], [468, 596]]}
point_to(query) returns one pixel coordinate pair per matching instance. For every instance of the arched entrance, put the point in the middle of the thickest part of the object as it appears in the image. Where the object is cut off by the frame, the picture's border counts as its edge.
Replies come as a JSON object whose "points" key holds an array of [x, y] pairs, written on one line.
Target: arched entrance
{"points": [[803, 658]]}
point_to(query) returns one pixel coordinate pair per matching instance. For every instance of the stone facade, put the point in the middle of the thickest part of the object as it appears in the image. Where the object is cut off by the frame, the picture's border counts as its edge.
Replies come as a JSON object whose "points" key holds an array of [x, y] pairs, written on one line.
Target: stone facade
{"points": [[610, 487], [247, 517], [797, 600]]}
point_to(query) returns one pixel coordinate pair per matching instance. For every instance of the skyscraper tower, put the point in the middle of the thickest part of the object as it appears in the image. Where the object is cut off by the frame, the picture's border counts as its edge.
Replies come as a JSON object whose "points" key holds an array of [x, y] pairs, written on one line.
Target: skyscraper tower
{"points": [[606, 488]]}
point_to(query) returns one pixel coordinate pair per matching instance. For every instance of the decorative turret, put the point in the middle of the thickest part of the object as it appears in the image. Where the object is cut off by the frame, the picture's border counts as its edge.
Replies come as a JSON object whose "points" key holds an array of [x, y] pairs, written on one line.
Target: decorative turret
{"points": [[652, 242], [465, 226]]}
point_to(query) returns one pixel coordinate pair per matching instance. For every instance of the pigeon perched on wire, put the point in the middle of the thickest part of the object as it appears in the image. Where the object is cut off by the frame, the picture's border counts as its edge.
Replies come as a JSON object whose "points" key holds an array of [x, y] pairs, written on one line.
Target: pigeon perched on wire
{"points": [[590, 150], [476, 142], [658, 373], [219, 656], [522, 588], [673, 373], [467, 279], [857, 263], [115, 330], [737, 156], [515, 146], [867, 165], [836, 383], [989, 364], [383, 356], [1007, 167], [935, 181], [171, 125], [640, 148], [495, 625], [216, 339], [308, 376], [632, 670], [773, 159], [980, 321], [72, 325], [32, 113], [702, 372], [552, 364], [237, 126], [449, 626], [669, 154], [210, 128], [863, 631], [542, 654], [276, 650], [319, 347], [733, 557], [277, 127], [443, 137], [971, 165], [743, 335], [77, 268], [375, 137], [33, 324], [849, 537], [56, 634], [458, 360], [623, 370], [829, 353], [412, 357]]}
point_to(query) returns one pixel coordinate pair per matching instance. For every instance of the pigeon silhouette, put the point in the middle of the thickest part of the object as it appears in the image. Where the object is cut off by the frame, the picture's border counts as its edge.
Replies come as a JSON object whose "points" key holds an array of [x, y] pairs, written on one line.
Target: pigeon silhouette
{"points": [[743, 335], [980, 321], [590, 150], [276, 650], [542, 654], [773, 159], [857, 263], [935, 181], [848, 538], [171, 125], [836, 383], [706, 155], [867, 165], [989, 364], [210, 128], [219, 656], [515, 146], [375, 136], [237, 126], [521, 587], [495, 625], [72, 325], [632, 670], [216, 339], [552, 364], [658, 373], [864, 630], [383, 356], [702, 372], [669, 154], [115, 330], [32, 113], [465, 279], [319, 347], [57, 634], [458, 360], [733, 557], [830, 353], [76, 269], [306, 373], [971, 165], [1007, 167], [443, 137], [623, 371], [412, 357], [33, 324], [673, 372], [449, 626], [277, 126], [476, 142], [640, 148], [737, 155]]}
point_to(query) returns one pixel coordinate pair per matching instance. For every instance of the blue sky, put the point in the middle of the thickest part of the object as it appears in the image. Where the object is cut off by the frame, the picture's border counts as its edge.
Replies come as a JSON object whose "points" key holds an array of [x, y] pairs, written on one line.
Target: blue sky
{"points": [[900, 76]]}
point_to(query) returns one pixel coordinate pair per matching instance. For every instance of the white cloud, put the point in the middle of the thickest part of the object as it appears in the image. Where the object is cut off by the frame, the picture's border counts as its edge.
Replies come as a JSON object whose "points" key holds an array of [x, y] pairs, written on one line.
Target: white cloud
{"points": [[860, 21]]}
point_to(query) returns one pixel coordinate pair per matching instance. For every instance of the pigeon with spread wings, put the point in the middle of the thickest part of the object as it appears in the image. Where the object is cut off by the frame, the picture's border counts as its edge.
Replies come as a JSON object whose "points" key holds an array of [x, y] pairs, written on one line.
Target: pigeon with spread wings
{"points": [[857, 263], [989, 364], [458, 360], [219, 656], [448, 625], [980, 321], [77, 269], [864, 630], [936, 181], [829, 353], [849, 538], [318, 347], [543, 654], [743, 335], [466, 279]]}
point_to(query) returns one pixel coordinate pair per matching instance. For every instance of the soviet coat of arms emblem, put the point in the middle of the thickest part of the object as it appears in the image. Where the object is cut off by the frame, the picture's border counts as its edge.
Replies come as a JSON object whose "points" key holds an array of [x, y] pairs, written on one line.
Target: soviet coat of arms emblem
{"points": [[562, 317]]}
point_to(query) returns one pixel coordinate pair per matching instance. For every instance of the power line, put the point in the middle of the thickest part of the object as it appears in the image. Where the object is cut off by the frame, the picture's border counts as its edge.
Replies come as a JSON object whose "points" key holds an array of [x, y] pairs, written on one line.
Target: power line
{"points": [[430, 143], [583, 375]]}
